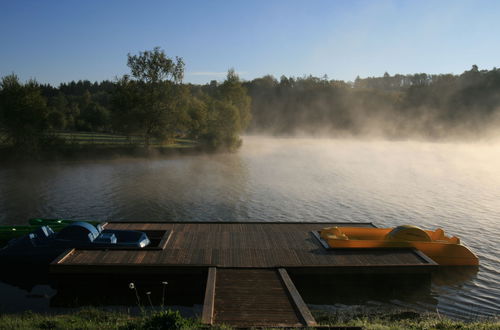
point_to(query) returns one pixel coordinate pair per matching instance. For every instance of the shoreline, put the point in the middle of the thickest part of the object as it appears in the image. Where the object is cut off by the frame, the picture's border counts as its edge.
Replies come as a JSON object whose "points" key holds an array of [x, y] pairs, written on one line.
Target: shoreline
{"points": [[103, 152], [100, 318]]}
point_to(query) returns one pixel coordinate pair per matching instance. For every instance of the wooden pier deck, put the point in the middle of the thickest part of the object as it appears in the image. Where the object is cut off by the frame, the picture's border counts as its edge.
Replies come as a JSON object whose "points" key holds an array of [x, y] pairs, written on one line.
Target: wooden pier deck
{"points": [[236, 245], [247, 263], [254, 297]]}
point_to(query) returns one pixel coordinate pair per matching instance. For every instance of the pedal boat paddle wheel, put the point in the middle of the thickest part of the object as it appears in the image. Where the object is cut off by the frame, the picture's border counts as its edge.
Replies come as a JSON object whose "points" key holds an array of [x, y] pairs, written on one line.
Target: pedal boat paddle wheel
{"points": [[444, 250]]}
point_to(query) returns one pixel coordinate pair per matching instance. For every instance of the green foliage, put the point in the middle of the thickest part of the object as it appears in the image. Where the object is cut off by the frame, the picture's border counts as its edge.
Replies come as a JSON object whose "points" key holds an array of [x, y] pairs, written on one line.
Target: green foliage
{"points": [[400, 320], [225, 114], [233, 92], [56, 120], [92, 318], [89, 318], [96, 117], [153, 66], [223, 125], [153, 104], [418, 105], [167, 320], [23, 112], [153, 111], [197, 112]]}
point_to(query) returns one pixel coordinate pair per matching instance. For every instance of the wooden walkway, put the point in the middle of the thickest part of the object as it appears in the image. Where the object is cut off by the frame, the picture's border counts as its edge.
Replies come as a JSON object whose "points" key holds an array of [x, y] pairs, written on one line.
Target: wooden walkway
{"points": [[254, 297]]}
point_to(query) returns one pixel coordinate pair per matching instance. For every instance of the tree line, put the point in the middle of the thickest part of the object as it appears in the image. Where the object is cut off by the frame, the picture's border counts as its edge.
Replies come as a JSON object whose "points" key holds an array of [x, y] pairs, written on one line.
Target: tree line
{"points": [[154, 103], [151, 102], [416, 105]]}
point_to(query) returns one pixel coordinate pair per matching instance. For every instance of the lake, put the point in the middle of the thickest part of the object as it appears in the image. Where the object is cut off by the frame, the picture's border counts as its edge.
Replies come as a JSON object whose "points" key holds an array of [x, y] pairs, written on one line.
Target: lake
{"points": [[455, 186]]}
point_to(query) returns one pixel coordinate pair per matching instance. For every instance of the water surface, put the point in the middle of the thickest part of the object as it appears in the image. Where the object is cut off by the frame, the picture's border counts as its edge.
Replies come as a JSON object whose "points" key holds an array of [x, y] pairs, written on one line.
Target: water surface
{"points": [[455, 186]]}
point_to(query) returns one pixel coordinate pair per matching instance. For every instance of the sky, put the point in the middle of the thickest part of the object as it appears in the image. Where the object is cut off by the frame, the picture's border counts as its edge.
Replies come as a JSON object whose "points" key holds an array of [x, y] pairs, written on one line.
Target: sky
{"points": [[60, 41]]}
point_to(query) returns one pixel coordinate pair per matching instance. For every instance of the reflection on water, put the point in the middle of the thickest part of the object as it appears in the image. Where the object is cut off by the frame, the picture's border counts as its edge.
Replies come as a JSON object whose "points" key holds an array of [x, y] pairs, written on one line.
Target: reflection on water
{"points": [[349, 289], [14, 299], [449, 185], [189, 188]]}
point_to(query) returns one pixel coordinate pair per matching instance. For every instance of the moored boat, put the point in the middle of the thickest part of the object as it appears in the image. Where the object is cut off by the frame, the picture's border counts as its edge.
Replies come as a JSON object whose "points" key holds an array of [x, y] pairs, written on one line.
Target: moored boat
{"points": [[8, 232], [55, 222], [44, 245], [444, 250]]}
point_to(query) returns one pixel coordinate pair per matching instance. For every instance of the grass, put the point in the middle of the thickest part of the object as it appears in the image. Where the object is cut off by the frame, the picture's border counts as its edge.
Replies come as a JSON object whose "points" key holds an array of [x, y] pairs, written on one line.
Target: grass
{"points": [[113, 140], [105, 139], [401, 320], [83, 145], [84, 319], [93, 318]]}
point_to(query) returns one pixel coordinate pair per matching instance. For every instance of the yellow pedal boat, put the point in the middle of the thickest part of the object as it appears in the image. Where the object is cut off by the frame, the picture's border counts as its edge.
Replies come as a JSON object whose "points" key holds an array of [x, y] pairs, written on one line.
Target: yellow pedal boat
{"points": [[444, 250]]}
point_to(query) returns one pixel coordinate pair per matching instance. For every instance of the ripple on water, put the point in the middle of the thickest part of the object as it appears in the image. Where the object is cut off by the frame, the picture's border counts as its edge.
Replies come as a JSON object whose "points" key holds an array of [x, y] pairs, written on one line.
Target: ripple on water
{"points": [[453, 186]]}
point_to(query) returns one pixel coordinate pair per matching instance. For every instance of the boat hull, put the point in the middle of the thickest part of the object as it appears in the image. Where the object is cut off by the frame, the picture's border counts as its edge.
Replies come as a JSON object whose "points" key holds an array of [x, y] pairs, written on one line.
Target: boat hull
{"points": [[10, 232], [445, 251]]}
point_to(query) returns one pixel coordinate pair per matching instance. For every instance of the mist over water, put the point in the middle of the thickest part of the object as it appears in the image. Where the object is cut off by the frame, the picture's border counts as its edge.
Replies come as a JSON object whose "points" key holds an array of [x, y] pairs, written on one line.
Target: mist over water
{"points": [[455, 186]]}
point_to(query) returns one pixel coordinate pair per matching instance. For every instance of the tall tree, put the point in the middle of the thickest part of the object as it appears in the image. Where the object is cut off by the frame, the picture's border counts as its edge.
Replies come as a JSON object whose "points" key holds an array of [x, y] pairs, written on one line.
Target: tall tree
{"points": [[154, 105], [233, 92], [23, 112], [154, 66]]}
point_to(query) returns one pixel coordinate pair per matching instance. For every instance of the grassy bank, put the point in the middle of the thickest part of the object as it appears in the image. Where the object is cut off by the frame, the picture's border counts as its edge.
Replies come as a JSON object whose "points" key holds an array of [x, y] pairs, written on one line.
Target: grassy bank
{"points": [[114, 140], [83, 145], [98, 319], [104, 140], [401, 320], [91, 318]]}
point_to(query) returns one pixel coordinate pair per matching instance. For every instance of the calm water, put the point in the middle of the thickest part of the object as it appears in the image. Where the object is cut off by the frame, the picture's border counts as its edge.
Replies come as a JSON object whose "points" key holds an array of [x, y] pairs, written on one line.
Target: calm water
{"points": [[448, 185]]}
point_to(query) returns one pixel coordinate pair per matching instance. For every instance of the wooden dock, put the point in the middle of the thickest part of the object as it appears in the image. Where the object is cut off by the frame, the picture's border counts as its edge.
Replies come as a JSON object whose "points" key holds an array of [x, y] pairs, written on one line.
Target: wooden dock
{"points": [[248, 265], [254, 297]]}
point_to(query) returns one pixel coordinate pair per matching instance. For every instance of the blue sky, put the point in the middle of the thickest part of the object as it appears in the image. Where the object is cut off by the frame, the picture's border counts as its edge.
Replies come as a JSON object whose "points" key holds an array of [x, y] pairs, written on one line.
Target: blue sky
{"points": [[60, 41]]}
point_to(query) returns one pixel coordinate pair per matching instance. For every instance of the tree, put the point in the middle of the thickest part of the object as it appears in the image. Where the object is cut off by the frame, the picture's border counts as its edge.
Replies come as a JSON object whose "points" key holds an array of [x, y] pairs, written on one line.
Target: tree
{"points": [[233, 92], [55, 120], [223, 125], [23, 112], [153, 102], [197, 123], [96, 117], [155, 66]]}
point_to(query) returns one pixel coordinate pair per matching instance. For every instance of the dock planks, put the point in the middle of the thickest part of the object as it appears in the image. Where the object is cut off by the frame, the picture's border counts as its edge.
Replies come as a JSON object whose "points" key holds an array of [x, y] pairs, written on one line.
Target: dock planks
{"points": [[237, 245], [248, 263], [254, 297]]}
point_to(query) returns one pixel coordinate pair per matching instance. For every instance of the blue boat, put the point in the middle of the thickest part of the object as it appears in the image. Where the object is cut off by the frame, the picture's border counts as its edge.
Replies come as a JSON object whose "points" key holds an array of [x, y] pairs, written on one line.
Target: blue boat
{"points": [[44, 245]]}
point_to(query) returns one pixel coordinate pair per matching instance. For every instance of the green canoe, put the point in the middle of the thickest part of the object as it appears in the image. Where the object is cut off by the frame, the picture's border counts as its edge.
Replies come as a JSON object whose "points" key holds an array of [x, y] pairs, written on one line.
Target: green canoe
{"points": [[55, 222], [9, 232]]}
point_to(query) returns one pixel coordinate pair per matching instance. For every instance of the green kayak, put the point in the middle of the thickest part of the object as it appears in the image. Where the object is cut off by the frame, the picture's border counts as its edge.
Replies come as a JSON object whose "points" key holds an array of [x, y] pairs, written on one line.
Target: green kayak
{"points": [[55, 222], [9, 232]]}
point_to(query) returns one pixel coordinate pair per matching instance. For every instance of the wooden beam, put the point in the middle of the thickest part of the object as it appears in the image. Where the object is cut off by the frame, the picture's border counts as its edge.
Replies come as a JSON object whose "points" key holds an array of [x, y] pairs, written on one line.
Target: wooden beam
{"points": [[207, 316], [322, 241], [63, 256], [424, 257], [346, 224], [299, 303], [164, 241]]}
